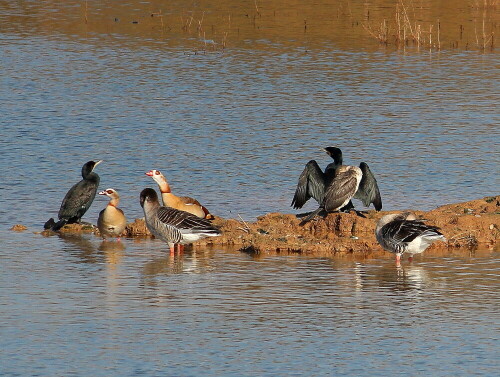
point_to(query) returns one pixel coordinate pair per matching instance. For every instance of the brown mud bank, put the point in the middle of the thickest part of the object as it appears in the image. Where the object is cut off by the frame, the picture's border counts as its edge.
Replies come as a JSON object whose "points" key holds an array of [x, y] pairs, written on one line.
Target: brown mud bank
{"points": [[467, 224]]}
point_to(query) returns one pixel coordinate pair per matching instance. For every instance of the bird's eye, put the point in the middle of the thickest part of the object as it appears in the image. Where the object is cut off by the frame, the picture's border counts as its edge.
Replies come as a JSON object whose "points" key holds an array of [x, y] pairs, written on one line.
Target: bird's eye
{"points": [[109, 191], [157, 172]]}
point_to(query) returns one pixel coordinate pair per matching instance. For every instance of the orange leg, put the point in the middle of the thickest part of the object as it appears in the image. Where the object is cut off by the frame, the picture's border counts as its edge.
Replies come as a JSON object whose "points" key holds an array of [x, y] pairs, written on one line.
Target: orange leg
{"points": [[398, 260], [172, 249]]}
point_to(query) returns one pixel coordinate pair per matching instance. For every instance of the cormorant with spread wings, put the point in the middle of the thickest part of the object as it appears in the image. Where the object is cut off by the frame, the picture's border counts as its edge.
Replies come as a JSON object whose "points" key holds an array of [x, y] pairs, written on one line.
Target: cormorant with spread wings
{"points": [[337, 185]]}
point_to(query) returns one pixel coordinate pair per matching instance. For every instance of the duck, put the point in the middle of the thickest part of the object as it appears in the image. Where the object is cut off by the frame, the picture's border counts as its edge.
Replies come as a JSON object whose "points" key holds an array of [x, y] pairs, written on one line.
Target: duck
{"points": [[313, 183], [78, 199], [111, 221], [339, 192], [182, 203], [403, 233], [173, 226]]}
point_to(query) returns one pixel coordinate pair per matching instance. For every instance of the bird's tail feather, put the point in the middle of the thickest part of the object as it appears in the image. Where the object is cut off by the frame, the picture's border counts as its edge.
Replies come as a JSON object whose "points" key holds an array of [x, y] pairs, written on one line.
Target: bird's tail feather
{"points": [[49, 224], [52, 225], [311, 216]]}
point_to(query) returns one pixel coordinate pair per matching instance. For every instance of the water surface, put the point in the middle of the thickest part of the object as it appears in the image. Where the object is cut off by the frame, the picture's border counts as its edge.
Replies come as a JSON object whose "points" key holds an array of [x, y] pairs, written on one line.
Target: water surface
{"points": [[76, 306]]}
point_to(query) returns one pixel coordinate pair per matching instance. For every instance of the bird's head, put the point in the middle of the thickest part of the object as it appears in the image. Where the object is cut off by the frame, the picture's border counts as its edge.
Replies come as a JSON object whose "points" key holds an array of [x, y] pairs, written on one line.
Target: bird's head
{"points": [[110, 193], [89, 166], [156, 175], [334, 153], [148, 195]]}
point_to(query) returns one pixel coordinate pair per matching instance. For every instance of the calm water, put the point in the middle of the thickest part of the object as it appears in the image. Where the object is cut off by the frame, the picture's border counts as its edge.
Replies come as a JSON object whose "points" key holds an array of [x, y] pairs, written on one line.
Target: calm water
{"points": [[77, 307], [234, 128]]}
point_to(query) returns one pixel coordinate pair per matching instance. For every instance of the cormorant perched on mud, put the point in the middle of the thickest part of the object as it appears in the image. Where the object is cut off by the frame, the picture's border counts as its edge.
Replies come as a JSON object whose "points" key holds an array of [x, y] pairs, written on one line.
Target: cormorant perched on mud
{"points": [[78, 199], [314, 183]]}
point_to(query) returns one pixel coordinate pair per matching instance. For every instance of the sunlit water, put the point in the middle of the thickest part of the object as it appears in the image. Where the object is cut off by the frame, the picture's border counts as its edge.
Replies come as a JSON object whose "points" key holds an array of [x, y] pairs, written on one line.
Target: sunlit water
{"points": [[234, 128], [78, 307]]}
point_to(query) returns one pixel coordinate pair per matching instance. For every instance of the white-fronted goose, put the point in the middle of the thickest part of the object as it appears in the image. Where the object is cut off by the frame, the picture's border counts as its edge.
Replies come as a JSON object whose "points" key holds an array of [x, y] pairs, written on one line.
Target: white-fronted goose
{"points": [[171, 225]]}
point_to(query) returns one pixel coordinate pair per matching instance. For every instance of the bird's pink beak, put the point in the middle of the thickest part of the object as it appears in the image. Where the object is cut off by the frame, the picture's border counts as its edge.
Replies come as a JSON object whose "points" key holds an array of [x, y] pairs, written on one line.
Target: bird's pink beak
{"points": [[149, 173], [102, 193]]}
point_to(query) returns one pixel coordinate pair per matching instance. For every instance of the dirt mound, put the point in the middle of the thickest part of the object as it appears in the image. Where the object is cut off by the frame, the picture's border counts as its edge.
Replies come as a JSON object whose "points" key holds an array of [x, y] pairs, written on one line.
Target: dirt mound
{"points": [[465, 224]]}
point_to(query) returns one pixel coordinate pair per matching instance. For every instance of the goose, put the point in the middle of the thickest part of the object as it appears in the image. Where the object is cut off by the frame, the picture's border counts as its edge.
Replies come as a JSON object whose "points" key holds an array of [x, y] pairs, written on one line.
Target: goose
{"points": [[111, 221], [402, 233], [183, 203], [78, 199], [313, 183], [171, 225]]}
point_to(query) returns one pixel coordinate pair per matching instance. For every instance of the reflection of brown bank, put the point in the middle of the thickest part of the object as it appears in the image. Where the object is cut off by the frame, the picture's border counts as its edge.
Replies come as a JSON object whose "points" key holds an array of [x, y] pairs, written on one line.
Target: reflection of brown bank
{"points": [[464, 225]]}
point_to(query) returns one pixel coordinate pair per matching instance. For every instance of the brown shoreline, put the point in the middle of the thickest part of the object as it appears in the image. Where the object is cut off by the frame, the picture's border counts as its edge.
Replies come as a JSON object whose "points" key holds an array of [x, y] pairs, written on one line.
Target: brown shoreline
{"points": [[466, 224]]}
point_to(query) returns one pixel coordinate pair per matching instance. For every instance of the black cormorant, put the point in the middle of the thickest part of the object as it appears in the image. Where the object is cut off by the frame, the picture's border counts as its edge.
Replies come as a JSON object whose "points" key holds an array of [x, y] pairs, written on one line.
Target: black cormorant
{"points": [[313, 183], [78, 199]]}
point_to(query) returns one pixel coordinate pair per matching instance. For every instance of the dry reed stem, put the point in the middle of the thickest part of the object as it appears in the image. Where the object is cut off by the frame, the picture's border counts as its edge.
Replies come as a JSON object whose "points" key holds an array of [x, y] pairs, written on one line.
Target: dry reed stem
{"points": [[407, 31], [86, 11]]}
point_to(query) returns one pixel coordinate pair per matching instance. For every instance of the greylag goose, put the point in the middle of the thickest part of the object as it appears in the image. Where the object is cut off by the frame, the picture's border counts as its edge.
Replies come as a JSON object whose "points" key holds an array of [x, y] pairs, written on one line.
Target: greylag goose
{"points": [[182, 203], [313, 183], [78, 199], [111, 221], [171, 225], [402, 233]]}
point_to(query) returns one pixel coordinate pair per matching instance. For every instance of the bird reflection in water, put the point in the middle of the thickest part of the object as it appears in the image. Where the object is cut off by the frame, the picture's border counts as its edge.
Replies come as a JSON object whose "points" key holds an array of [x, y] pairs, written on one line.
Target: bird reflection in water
{"points": [[399, 278], [87, 251], [80, 246], [168, 264], [178, 263], [406, 277], [113, 251], [157, 273]]}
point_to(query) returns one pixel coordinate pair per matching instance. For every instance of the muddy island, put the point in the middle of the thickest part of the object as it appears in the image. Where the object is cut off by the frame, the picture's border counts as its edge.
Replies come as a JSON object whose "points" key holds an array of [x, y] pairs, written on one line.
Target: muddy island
{"points": [[467, 224]]}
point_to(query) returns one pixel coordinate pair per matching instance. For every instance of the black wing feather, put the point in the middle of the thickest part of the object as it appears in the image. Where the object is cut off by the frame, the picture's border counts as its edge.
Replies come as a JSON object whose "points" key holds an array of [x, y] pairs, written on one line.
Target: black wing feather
{"points": [[184, 220], [311, 184], [368, 191], [407, 230], [78, 200]]}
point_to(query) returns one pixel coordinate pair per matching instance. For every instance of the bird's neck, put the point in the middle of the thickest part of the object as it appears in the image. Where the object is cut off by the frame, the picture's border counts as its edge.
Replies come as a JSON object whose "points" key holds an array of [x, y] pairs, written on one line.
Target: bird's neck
{"points": [[149, 208], [114, 202], [164, 186], [91, 177]]}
